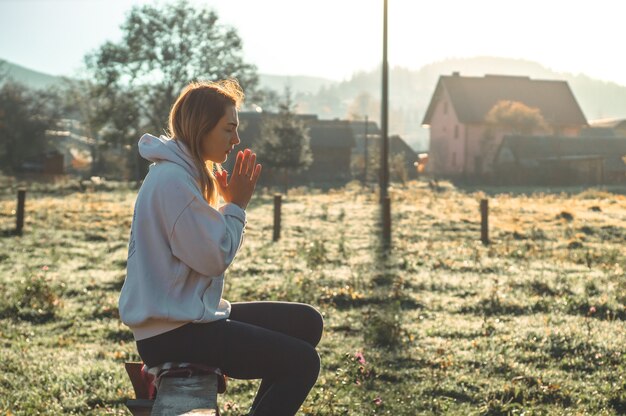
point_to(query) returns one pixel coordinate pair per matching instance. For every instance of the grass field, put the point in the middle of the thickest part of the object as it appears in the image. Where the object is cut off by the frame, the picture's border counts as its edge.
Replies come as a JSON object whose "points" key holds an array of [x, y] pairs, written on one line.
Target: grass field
{"points": [[533, 324]]}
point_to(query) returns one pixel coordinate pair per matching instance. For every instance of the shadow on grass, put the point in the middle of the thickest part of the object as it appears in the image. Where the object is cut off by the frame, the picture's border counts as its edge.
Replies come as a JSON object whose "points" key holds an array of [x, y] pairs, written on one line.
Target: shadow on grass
{"points": [[459, 396], [601, 311], [9, 233], [118, 335], [493, 190], [495, 307], [343, 301]]}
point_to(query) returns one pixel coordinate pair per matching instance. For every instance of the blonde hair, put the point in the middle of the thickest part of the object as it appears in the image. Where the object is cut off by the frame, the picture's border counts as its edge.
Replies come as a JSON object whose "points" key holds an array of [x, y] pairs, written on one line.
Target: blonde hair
{"points": [[197, 110]]}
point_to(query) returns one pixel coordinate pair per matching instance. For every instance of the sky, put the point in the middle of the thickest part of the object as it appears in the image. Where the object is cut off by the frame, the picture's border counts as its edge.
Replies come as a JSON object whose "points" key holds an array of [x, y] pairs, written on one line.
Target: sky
{"points": [[336, 38]]}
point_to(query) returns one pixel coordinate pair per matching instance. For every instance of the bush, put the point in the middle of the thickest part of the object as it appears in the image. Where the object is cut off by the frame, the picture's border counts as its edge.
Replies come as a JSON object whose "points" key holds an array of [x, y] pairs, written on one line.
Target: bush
{"points": [[383, 326], [314, 253], [34, 299]]}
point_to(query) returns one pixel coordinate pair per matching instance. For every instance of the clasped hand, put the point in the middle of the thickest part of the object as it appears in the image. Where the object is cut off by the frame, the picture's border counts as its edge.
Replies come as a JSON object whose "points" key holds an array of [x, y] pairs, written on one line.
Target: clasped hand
{"points": [[240, 187]]}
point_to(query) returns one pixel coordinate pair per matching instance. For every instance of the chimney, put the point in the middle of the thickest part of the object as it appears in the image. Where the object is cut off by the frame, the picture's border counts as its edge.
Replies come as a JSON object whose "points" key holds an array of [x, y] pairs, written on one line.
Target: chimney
{"points": [[456, 74]]}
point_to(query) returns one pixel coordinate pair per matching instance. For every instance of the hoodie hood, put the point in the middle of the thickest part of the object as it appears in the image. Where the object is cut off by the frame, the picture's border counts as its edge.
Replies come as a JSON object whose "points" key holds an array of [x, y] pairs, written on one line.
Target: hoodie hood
{"points": [[156, 149]]}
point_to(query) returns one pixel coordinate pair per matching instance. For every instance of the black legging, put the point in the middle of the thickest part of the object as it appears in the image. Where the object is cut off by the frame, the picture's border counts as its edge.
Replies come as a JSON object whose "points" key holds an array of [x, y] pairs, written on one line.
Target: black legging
{"points": [[273, 341]]}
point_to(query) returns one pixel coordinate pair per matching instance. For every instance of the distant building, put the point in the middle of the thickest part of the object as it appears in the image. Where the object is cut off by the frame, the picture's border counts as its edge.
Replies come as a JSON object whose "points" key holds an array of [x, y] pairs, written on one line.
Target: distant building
{"points": [[615, 125], [331, 143], [399, 151], [549, 160], [66, 151], [75, 150], [459, 135], [362, 129]]}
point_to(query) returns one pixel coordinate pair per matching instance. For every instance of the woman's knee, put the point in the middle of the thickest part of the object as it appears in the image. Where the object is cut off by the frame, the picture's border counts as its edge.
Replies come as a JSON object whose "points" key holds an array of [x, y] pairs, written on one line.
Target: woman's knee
{"points": [[312, 322], [309, 363]]}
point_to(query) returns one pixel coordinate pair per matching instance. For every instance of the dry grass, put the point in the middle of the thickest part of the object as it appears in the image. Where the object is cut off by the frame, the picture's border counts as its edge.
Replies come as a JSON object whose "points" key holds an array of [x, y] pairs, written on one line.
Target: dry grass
{"points": [[534, 323]]}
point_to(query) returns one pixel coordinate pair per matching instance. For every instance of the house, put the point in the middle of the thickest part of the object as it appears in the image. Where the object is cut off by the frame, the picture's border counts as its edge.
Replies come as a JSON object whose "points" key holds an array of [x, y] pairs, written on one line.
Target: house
{"points": [[399, 152], [75, 150], [550, 160], [46, 163], [615, 125], [462, 143], [331, 143], [362, 129]]}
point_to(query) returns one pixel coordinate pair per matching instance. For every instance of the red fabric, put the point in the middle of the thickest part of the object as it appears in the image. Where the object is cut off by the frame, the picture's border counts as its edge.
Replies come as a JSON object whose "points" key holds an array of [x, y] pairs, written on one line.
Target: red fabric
{"points": [[141, 380], [148, 379]]}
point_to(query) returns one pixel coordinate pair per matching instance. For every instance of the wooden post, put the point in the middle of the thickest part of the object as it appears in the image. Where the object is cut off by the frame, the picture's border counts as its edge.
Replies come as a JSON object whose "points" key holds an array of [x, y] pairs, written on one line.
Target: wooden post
{"points": [[365, 155], [386, 217], [484, 221], [277, 207], [21, 200]]}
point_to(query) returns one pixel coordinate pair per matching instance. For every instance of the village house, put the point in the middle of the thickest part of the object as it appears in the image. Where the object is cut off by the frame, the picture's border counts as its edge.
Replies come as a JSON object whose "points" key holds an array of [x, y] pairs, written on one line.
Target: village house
{"points": [[615, 127], [331, 143], [464, 144], [331, 146], [550, 160], [75, 151], [66, 151], [366, 153]]}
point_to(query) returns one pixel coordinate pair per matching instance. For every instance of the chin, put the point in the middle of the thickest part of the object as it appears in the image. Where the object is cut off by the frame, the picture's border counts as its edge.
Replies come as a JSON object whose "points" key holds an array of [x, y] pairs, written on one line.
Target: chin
{"points": [[216, 159]]}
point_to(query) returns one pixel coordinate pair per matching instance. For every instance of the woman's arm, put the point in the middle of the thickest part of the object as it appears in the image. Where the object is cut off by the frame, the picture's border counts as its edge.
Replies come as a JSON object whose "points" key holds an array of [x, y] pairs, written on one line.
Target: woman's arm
{"points": [[206, 239]]}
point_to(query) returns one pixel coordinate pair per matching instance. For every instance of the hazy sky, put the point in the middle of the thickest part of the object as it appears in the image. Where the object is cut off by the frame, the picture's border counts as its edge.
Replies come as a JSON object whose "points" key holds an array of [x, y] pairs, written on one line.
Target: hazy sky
{"points": [[335, 38]]}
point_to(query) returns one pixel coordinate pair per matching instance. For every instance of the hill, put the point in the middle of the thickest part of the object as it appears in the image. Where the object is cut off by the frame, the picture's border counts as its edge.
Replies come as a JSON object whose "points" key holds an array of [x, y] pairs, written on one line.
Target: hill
{"points": [[411, 90], [297, 83], [29, 77]]}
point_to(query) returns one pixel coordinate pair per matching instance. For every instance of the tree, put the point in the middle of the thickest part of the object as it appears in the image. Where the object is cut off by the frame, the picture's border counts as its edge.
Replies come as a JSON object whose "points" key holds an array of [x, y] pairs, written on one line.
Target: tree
{"points": [[109, 116], [511, 117], [25, 115], [364, 105], [516, 117], [163, 48], [284, 142]]}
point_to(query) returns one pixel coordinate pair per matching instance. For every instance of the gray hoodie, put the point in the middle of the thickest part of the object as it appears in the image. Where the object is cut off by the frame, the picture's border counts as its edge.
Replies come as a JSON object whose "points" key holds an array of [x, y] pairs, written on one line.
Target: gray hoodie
{"points": [[179, 246]]}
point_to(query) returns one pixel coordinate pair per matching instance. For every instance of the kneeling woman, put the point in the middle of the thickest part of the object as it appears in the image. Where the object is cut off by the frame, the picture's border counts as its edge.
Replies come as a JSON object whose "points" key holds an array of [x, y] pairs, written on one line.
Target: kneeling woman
{"points": [[181, 244]]}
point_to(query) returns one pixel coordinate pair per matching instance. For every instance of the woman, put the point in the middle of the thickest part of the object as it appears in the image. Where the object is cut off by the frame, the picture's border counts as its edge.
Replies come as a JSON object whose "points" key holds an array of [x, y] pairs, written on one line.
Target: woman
{"points": [[180, 246]]}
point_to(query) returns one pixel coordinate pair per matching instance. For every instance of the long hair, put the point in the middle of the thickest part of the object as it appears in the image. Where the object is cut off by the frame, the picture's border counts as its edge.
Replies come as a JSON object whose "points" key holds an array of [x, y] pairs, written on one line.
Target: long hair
{"points": [[197, 110]]}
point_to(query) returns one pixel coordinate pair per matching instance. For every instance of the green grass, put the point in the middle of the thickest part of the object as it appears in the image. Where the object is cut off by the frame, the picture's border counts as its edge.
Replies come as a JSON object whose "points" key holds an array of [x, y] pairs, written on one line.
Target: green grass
{"points": [[534, 323]]}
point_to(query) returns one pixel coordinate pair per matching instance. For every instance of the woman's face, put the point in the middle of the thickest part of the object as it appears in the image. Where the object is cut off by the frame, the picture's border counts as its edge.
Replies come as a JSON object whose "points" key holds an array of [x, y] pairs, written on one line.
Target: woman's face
{"points": [[223, 138]]}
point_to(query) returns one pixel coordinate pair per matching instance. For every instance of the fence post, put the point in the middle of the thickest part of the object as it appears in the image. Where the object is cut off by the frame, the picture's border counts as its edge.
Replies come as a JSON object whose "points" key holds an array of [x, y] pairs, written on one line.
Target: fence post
{"points": [[277, 207], [484, 221], [21, 201]]}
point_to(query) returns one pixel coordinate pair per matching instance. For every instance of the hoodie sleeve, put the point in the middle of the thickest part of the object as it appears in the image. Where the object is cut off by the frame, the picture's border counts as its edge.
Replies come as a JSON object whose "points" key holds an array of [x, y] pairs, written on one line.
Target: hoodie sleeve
{"points": [[206, 239]]}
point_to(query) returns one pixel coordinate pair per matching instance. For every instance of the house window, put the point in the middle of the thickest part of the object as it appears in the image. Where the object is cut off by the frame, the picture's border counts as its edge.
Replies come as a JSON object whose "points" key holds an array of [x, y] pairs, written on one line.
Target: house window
{"points": [[456, 131]]}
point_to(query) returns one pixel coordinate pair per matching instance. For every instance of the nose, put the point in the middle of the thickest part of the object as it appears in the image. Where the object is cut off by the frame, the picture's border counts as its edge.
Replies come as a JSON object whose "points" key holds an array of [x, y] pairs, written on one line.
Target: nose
{"points": [[235, 140]]}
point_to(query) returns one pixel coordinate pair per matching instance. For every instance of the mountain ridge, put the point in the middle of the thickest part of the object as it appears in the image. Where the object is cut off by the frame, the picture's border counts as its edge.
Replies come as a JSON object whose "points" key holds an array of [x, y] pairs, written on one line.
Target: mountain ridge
{"points": [[27, 76]]}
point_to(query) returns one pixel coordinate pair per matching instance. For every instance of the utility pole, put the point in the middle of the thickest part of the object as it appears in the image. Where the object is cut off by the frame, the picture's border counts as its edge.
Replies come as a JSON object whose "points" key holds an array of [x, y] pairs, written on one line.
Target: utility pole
{"points": [[384, 154]]}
